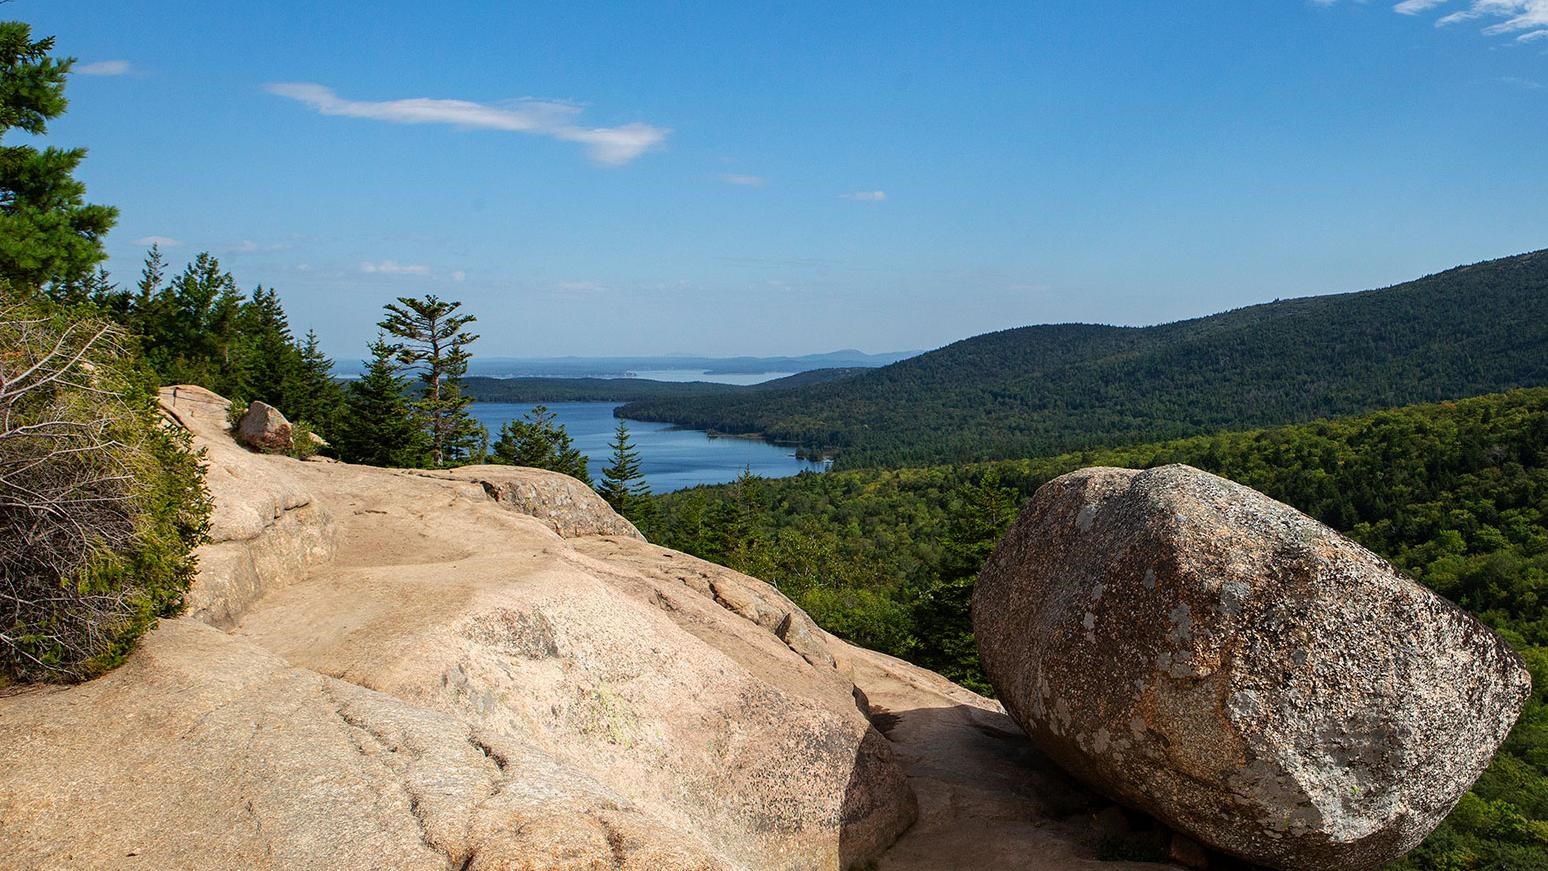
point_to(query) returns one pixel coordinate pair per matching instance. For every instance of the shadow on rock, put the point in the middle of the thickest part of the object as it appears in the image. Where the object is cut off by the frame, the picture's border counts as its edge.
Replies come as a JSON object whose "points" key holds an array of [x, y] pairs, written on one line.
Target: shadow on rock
{"points": [[989, 799]]}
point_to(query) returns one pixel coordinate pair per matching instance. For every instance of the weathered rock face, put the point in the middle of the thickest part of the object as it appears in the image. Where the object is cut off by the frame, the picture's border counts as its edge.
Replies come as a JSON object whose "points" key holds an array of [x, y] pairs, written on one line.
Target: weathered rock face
{"points": [[207, 752], [263, 428], [390, 669], [565, 504], [266, 532], [1231, 666], [415, 675]]}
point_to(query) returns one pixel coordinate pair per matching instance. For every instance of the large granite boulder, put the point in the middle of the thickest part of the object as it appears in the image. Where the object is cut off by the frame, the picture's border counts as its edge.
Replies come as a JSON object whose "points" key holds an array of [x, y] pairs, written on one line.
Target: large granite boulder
{"points": [[264, 429], [1203, 653]]}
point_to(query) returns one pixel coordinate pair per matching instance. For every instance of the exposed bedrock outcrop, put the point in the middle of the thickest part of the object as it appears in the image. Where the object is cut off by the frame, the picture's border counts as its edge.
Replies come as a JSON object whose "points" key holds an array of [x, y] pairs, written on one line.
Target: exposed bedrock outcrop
{"points": [[488, 669], [421, 671], [266, 531], [565, 504], [1201, 652]]}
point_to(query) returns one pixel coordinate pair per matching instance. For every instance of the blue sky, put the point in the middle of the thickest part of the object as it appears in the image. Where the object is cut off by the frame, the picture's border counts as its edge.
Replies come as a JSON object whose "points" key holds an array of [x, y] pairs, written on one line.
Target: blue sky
{"points": [[730, 178]]}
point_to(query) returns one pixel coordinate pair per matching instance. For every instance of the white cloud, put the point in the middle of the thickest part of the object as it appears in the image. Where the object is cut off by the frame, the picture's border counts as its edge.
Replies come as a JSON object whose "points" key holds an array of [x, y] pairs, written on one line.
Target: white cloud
{"points": [[866, 196], [1509, 16], [1517, 15], [105, 68], [393, 267], [1414, 7], [161, 241], [611, 146], [1518, 82], [458, 275], [743, 180]]}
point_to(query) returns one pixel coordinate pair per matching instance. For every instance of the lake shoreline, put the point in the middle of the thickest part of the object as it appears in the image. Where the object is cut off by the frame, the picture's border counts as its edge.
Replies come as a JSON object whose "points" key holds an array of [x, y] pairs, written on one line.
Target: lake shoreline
{"points": [[672, 457]]}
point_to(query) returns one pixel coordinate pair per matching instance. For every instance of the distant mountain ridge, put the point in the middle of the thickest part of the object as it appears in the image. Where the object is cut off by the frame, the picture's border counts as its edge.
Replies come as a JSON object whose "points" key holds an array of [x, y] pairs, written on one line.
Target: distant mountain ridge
{"points": [[1046, 389], [616, 367]]}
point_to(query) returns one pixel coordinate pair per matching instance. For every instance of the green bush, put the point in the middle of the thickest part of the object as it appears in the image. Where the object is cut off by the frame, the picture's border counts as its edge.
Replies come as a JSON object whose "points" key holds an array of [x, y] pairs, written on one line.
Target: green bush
{"points": [[101, 502], [302, 445]]}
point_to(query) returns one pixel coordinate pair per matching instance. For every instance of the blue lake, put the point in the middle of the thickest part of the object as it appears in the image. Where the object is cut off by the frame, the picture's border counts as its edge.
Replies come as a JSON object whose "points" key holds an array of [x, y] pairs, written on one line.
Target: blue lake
{"points": [[671, 458]]}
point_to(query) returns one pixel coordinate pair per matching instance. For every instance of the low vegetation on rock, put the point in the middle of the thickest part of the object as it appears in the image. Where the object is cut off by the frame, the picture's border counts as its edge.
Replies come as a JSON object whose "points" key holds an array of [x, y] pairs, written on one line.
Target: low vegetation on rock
{"points": [[101, 503]]}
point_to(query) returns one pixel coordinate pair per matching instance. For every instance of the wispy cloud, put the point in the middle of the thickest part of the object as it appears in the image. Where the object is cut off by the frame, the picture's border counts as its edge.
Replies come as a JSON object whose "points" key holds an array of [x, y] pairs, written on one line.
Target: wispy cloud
{"points": [[1414, 7], [866, 196], [248, 246], [611, 146], [160, 241], [105, 68], [1518, 82], [743, 180], [1525, 19], [393, 267], [458, 275]]}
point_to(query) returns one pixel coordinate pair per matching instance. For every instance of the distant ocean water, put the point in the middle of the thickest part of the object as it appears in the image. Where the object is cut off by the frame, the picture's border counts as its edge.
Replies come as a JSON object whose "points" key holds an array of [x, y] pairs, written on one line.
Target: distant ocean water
{"points": [[743, 378], [670, 458]]}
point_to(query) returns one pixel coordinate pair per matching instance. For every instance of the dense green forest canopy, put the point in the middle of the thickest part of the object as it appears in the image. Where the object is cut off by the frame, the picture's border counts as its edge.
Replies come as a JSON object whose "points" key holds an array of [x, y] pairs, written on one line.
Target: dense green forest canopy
{"points": [[631, 389], [1047, 389], [1455, 494]]}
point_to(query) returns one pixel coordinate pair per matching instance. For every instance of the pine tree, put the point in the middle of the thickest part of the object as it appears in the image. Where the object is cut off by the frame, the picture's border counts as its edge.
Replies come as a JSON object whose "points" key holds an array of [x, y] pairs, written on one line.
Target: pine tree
{"points": [[378, 427], [148, 310], [538, 440], [191, 337], [623, 484], [151, 276], [49, 236], [434, 343], [264, 363], [734, 533], [316, 397]]}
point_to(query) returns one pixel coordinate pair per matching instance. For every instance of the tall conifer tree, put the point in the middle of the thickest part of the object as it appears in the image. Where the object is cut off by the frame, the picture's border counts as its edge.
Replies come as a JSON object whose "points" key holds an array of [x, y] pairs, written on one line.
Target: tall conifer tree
{"points": [[538, 440], [317, 398], [434, 343], [264, 362], [49, 235], [378, 427], [623, 484]]}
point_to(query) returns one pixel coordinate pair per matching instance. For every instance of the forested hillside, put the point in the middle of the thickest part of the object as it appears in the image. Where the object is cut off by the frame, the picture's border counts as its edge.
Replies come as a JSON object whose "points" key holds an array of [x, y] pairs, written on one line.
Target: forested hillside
{"points": [[1047, 389], [1455, 494], [631, 389]]}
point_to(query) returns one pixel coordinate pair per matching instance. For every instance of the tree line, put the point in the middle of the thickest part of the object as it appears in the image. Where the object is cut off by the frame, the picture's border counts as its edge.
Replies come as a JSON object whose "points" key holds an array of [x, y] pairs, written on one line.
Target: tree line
{"points": [[1041, 390], [410, 407], [1455, 494]]}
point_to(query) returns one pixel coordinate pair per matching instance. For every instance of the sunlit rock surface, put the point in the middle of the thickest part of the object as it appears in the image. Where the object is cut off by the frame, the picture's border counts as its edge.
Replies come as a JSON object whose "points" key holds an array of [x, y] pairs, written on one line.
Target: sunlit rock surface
{"points": [[1215, 658]]}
